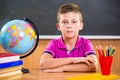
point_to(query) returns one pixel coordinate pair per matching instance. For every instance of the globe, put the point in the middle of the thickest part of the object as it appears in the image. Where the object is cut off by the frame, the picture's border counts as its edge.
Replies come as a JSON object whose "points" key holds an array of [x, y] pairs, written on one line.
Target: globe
{"points": [[19, 37]]}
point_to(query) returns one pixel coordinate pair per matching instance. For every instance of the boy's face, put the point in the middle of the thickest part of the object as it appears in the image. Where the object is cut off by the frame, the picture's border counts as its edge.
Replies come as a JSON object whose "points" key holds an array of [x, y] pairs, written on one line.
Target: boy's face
{"points": [[69, 24]]}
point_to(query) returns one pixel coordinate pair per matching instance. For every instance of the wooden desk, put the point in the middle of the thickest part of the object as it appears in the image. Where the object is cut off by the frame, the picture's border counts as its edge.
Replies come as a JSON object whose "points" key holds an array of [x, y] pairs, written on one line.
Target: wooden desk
{"points": [[38, 75]]}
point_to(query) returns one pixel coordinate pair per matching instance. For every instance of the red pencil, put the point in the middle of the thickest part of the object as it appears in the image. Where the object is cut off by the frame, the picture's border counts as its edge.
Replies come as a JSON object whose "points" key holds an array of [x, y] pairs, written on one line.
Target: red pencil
{"points": [[99, 51]]}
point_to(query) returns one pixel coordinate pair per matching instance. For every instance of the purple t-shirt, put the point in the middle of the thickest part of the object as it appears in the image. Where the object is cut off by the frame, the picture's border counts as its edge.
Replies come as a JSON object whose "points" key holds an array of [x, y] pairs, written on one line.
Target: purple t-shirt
{"points": [[57, 48]]}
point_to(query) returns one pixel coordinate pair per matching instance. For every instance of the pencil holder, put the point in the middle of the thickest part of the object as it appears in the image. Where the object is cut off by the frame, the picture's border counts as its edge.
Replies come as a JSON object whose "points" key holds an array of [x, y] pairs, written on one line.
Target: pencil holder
{"points": [[105, 64]]}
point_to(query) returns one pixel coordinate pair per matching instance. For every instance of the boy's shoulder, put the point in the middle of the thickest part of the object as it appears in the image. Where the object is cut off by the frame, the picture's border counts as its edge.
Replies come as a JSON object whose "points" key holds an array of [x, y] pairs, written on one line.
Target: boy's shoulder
{"points": [[81, 38], [56, 41]]}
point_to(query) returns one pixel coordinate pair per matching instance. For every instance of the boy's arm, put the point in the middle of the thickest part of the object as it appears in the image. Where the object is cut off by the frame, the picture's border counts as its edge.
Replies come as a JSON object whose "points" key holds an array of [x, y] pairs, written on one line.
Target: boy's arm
{"points": [[47, 61], [83, 66], [93, 59]]}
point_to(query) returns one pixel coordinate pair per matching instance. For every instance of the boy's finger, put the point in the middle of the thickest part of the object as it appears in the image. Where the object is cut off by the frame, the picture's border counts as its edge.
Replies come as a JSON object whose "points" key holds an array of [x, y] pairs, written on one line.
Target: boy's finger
{"points": [[88, 63], [90, 60]]}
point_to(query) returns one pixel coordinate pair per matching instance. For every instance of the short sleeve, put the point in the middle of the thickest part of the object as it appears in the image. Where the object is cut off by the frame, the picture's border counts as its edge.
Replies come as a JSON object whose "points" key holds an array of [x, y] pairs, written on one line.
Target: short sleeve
{"points": [[88, 48], [50, 49]]}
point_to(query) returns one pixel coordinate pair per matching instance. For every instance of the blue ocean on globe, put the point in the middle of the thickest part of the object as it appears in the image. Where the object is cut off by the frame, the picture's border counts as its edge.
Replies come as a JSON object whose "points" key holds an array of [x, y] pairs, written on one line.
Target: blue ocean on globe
{"points": [[17, 36]]}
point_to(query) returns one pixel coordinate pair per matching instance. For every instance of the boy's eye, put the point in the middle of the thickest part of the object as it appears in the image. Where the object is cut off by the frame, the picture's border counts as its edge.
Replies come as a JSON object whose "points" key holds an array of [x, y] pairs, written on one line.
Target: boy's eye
{"points": [[74, 21], [64, 22]]}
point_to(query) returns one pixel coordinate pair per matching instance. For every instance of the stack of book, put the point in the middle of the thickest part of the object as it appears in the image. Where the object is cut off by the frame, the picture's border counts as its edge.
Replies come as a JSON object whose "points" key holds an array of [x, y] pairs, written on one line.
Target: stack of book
{"points": [[10, 66]]}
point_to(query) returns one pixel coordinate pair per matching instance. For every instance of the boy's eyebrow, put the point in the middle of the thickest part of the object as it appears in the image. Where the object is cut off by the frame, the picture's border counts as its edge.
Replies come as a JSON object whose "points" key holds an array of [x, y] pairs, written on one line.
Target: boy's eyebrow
{"points": [[66, 19], [74, 19]]}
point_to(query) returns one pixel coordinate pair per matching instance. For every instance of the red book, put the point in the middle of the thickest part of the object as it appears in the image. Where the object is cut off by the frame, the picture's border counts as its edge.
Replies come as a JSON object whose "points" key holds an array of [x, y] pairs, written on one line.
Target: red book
{"points": [[8, 57]]}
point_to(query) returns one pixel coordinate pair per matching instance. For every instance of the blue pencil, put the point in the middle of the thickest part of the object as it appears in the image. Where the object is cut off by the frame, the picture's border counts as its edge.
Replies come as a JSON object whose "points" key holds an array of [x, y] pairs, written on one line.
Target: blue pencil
{"points": [[113, 51]]}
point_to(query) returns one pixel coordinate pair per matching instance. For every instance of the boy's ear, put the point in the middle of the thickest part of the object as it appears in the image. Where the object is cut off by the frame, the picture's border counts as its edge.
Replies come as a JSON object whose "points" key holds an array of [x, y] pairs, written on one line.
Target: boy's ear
{"points": [[81, 25], [57, 26]]}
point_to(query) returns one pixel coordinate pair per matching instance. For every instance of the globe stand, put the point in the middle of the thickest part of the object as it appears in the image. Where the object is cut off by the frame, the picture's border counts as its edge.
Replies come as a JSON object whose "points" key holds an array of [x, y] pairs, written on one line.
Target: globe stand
{"points": [[25, 70]]}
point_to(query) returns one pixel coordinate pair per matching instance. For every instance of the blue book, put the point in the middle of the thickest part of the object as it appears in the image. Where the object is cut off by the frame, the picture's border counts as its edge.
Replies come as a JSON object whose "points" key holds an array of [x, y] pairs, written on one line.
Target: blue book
{"points": [[11, 64]]}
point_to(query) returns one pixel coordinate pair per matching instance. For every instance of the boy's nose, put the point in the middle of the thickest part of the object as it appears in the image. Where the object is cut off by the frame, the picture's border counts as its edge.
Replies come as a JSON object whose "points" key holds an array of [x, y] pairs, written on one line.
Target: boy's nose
{"points": [[69, 25]]}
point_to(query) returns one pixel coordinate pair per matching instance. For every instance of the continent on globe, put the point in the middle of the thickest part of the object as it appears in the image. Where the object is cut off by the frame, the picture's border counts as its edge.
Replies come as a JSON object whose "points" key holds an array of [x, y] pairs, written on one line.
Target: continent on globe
{"points": [[17, 36]]}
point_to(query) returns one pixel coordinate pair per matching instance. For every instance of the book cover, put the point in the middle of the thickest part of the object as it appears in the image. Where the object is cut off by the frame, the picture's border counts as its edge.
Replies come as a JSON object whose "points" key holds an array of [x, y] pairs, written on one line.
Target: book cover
{"points": [[14, 68], [11, 64], [15, 77], [8, 57], [10, 74]]}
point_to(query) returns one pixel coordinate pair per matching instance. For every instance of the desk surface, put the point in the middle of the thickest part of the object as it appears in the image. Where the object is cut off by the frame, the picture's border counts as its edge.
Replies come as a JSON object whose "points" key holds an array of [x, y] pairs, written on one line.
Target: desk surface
{"points": [[38, 75]]}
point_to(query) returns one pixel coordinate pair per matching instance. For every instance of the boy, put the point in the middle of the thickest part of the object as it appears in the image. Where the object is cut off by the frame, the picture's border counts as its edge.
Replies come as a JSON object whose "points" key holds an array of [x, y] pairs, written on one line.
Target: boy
{"points": [[70, 52]]}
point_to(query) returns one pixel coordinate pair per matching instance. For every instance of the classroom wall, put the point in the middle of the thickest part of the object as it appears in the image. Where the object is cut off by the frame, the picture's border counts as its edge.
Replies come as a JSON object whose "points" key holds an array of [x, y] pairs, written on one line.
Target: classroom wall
{"points": [[32, 61], [98, 15]]}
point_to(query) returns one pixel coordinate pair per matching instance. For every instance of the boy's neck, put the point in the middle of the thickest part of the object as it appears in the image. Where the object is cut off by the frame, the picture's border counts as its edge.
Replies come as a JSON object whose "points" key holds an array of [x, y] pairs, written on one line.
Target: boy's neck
{"points": [[70, 42]]}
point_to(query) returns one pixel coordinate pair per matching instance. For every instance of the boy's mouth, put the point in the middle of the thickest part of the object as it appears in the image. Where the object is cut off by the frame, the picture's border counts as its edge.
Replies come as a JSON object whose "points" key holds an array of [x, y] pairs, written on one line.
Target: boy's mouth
{"points": [[69, 32]]}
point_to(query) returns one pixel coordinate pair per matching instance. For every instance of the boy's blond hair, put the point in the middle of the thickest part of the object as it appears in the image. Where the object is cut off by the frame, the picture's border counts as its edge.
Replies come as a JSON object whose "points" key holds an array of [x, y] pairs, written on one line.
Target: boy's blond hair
{"points": [[69, 7]]}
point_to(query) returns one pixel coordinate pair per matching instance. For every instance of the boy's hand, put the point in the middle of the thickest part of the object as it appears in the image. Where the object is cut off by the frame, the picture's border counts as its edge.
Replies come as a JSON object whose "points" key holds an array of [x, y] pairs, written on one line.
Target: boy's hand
{"points": [[91, 60], [86, 60]]}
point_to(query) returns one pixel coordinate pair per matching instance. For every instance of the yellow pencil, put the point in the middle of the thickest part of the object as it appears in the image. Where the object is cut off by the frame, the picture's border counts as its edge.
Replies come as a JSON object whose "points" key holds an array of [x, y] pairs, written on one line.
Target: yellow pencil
{"points": [[104, 53], [107, 51]]}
